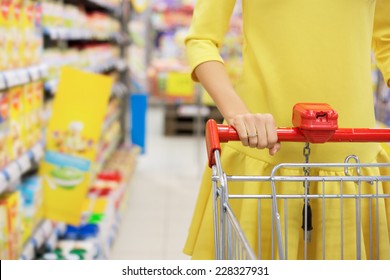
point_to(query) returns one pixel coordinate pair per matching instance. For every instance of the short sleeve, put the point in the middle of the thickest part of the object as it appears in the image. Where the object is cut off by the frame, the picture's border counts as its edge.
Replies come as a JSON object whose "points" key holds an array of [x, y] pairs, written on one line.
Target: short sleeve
{"points": [[381, 37], [209, 24]]}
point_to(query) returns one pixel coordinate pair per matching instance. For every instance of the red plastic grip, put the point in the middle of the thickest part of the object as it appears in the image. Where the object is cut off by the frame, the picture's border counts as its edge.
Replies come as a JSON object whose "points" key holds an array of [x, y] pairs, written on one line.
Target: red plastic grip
{"points": [[218, 133], [313, 123]]}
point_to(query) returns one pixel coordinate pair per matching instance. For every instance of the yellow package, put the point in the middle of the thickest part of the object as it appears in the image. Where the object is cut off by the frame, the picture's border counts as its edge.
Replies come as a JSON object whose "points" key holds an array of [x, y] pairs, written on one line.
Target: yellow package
{"points": [[37, 110], [27, 26], [17, 34], [6, 33], [28, 116], [14, 223], [4, 129], [16, 132], [72, 139], [2, 38], [3, 231]]}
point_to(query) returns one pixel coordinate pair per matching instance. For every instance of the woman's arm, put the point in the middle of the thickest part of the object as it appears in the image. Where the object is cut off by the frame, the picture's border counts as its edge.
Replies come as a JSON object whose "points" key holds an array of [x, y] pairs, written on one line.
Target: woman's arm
{"points": [[255, 130], [210, 22]]}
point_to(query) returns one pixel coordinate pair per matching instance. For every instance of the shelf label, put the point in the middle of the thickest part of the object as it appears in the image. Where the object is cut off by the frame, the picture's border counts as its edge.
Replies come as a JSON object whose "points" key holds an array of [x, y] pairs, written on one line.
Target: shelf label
{"points": [[47, 228], [3, 183], [24, 163], [34, 73], [2, 82], [39, 237], [44, 70], [37, 152], [13, 171], [12, 78], [22, 76], [28, 252]]}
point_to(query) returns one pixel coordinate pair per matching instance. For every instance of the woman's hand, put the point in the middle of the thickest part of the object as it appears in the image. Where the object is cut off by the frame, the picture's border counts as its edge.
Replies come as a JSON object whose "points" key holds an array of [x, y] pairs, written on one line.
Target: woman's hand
{"points": [[256, 131]]}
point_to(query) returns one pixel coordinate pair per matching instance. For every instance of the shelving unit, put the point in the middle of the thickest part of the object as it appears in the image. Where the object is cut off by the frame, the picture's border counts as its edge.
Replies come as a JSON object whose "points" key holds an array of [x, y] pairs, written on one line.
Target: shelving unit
{"points": [[99, 48]]}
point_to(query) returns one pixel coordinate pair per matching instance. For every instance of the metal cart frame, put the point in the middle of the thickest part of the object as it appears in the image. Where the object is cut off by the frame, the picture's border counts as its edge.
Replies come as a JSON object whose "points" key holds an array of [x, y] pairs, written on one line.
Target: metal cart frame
{"points": [[229, 238]]}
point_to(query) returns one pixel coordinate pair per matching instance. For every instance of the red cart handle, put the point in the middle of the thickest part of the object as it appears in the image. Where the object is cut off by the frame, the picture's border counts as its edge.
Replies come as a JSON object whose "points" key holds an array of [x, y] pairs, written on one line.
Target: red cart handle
{"points": [[311, 125]]}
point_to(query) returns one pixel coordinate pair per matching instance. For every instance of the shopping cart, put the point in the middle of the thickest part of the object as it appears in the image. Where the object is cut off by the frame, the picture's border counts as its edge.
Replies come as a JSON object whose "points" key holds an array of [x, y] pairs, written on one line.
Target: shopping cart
{"points": [[312, 123]]}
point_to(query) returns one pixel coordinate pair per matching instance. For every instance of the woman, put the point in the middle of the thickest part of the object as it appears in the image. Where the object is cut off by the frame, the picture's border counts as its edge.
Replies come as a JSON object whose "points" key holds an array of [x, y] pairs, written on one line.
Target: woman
{"points": [[293, 51]]}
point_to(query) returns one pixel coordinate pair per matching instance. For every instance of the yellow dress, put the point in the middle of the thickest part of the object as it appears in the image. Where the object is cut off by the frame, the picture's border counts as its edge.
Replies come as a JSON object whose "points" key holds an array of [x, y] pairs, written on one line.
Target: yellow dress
{"points": [[297, 51]]}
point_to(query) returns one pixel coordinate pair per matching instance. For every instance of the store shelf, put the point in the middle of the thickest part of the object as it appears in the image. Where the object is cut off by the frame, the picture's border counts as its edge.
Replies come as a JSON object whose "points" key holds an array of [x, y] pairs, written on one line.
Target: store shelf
{"points": [[95, 4], [45, 235], [17, 77], [15, 169], [66, 34]]}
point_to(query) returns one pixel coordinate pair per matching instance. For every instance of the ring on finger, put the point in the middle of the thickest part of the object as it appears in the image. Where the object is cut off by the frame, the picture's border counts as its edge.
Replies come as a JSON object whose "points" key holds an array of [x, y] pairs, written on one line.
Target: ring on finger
{"points": [[254, 135]]}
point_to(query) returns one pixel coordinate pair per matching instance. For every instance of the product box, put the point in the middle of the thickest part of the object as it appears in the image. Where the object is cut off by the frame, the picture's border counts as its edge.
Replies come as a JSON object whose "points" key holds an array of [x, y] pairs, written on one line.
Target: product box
{"points": [[17, 133], [12, 203], [32, 202], [27, 28], [37, 47], [72, 136], [3, 231], [16, 30], [28, 115], [8, 40], [4, 129]]}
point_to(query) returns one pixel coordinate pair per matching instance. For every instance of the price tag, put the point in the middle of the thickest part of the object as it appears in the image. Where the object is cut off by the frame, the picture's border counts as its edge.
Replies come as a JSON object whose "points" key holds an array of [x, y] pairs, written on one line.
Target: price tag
{"points": [[23, 76], [37, 152], [34, 73], [24, 163], [52, 33], [3, 183], [11, 78], [13, 171], [51, 242], [44, 69], [2, 82], [51, 86], [28, 252], [38, 237], [47, 228]]}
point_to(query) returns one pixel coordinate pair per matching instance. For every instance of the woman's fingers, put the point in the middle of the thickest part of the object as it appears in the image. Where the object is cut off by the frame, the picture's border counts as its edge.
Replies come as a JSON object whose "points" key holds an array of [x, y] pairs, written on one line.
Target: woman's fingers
{"points": [[257, 131], [239, 125]]}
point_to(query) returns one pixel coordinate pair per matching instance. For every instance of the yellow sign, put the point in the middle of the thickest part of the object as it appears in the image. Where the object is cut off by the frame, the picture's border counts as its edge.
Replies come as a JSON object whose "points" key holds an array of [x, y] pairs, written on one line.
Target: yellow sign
{"points": [[72, 138], [179, 84]]}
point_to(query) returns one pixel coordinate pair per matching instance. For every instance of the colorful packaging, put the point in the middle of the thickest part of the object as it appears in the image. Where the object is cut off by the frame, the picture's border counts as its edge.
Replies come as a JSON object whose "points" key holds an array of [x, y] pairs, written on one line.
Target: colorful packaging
{"points": [[4, 129], [32, 202], [16, 135], [28, 115], [28, 36], [7, 36], [12, 202], [3, 231], [72, 135], [16, 31]]}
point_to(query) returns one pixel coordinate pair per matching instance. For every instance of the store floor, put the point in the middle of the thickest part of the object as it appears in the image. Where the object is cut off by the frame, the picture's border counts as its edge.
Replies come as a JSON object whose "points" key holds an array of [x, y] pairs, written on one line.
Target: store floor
{"points": [[162, 195]]}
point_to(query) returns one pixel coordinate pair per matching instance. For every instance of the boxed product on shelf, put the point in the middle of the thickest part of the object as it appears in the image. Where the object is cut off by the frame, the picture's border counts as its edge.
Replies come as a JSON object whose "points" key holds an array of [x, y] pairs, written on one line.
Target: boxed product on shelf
{"points": [[16, 137], [72, 22], [12, 203], [3, 231], [32, 205], [20, 45], [4, 129]]}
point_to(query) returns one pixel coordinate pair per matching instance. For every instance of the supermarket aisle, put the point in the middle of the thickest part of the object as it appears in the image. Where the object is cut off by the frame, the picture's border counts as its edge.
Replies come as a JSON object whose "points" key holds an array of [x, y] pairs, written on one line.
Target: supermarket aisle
{"points": [[162, 196]]}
